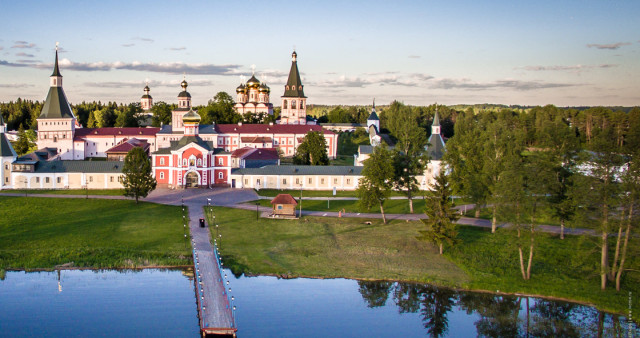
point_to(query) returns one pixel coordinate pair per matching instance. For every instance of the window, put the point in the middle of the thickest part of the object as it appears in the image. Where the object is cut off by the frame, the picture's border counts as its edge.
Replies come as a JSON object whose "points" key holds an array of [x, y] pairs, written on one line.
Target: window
{"points": [[301, 105], [6, 166], [293, 104], [221, 176], [335, 181], [192, 162], [284, 181], [46, 180], [6, 180], [184, 162], [161, 160], [111, 179], [246, 181], [310, 180], [161, 175], [297, 181], [284, 103], [279, 207], [199, 162], [90, 178], [37, 179], [348, 181], [59, 179], [220, 161], [322, 181], [258, 182]]}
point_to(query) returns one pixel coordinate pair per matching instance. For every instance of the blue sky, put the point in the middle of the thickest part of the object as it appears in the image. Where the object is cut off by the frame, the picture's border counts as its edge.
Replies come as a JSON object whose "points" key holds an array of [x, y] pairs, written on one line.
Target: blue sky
{"points": [[418, 52]]}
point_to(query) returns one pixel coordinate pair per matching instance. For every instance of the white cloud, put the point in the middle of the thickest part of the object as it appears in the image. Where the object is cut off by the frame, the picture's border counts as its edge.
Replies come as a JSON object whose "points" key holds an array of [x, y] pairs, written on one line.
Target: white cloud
{"points": [[611, 46]]}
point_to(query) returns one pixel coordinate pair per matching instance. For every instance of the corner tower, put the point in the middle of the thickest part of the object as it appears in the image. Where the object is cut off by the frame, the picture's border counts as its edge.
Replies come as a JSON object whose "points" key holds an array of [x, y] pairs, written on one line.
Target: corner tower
{"points": [[294, 103], [56, 123]]}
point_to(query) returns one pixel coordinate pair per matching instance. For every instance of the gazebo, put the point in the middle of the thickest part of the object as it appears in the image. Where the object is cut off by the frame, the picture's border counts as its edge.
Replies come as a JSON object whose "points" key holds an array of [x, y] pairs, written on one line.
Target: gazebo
{"points": [[284, 205]]}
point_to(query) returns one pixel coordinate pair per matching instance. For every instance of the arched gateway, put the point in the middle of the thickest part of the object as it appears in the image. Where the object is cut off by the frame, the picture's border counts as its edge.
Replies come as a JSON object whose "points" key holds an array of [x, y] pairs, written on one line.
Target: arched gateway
{"points": [[191, 180]]}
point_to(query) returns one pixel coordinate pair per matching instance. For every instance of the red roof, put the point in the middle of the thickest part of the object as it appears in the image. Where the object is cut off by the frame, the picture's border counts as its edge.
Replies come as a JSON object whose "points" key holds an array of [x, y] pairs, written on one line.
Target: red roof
{"points": [[263, 154], [83, 132], [269, 129], [284, 199], [241, 151], [127, 145], [255, 139]]}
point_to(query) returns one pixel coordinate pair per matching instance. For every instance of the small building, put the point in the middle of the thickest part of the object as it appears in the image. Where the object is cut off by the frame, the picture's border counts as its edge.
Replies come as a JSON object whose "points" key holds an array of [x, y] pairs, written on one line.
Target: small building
{"points": [[284, 205], [119, 152]]}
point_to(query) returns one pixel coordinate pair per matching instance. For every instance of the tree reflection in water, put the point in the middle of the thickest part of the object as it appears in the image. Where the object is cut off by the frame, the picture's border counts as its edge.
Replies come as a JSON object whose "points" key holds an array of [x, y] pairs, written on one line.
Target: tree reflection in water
{"points": [[495, 315]]}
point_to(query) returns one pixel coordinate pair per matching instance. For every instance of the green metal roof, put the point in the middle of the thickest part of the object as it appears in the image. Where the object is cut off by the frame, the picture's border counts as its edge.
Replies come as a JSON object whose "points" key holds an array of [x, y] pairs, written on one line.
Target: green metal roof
{"points": [[296, 89], [335, 170], [56, 70], [185, 140], [6, 150], [56, 106], [435, 148], [436, 120], [79, 167]]}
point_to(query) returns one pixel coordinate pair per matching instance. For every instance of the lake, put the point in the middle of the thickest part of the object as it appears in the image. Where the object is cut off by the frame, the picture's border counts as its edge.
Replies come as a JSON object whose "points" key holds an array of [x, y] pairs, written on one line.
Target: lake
{"points": [[161, 303]]}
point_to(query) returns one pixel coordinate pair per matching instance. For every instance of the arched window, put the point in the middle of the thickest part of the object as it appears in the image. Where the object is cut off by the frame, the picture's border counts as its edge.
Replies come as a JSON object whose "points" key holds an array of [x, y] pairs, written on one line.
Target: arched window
{"points": [[184, 162], [284, 104], [199, 162], [220, 175], [220, 161], [293, 104], [301, 105], [161, 160], [161, 175]]}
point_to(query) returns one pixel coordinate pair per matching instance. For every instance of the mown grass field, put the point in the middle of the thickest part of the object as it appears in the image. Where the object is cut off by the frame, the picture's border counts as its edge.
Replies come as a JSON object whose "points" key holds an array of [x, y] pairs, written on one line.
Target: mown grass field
{"points": [[349, 248], [101, 192], [46, 232]]}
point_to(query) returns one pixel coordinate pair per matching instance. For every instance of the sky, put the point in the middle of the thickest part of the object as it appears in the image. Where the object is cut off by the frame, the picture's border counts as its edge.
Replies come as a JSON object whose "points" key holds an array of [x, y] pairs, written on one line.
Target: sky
{"points": [[566, 53]]}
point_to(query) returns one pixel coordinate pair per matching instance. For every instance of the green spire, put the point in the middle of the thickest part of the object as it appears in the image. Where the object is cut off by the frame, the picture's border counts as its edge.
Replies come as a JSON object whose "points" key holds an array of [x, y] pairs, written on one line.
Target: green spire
{"points": [[56, 70], [294, 87], [436, 119]]}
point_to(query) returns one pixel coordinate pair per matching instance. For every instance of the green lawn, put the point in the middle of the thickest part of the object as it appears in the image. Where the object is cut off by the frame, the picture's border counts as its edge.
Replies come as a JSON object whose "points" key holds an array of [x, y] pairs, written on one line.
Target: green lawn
{"points": [[330, 247], [351, 206], [343, 247], [46, 232], [110, 192]]}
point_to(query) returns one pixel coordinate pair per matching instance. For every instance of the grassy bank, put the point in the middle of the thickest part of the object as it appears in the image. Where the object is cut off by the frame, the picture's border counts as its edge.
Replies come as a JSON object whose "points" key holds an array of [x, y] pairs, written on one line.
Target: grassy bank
{"points": [[351, 206], [46, 232], [81, 192], [331, 247]]}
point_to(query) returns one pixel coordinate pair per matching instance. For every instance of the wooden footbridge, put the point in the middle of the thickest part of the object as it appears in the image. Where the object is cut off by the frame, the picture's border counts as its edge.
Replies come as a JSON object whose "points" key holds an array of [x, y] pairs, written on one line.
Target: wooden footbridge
{"points": [[216, 311]]}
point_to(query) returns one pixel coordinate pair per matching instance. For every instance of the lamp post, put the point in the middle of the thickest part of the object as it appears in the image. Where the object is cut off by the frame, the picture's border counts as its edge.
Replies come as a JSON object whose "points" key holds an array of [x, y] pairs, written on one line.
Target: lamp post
{"points": [[300, 200]]}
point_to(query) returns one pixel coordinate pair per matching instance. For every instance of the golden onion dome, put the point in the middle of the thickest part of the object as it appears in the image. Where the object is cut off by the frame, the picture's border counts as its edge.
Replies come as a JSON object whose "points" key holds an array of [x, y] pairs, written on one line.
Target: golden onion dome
{"points": [[253, 82], [184, 84], [191, 117], [263, 88], [241, 89]]}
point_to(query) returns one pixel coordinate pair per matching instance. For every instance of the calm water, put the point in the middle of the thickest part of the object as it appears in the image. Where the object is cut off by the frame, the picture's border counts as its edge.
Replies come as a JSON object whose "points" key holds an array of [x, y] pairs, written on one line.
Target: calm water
{"points": [[161, 303]]}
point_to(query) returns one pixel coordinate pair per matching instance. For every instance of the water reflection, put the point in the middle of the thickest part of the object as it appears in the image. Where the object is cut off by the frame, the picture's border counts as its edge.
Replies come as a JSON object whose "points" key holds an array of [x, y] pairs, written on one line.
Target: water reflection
{"points": [[497, 315]]}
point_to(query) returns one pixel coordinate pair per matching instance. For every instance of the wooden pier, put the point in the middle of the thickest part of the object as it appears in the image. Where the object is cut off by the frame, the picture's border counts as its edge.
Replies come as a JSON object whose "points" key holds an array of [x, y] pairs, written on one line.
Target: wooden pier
{"points": [[215, 308]]}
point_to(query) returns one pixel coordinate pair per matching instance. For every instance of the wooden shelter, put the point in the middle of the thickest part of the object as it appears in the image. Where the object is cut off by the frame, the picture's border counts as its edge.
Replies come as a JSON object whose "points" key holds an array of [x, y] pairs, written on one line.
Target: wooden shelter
{"points": [[284, 205]]}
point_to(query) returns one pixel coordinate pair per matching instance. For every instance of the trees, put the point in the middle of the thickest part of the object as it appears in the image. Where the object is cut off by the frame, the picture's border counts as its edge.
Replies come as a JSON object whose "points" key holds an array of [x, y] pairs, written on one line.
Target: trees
{"points": [[312, 150], [220, 110], [377, 180], [161, 114], [441, 221], [127, 117], [409, 160], [26, 142], [138, 181]]}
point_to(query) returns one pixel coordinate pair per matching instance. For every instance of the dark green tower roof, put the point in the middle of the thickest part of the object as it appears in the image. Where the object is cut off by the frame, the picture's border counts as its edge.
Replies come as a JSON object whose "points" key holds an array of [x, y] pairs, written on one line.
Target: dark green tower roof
{"points": [[436, 119], [294, 87], [56, 70], [56, 106], [6, 150]]}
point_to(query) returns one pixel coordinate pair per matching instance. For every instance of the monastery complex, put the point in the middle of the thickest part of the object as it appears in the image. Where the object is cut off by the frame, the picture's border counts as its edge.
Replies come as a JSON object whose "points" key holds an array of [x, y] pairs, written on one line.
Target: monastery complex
{"points": [[186, 153]]}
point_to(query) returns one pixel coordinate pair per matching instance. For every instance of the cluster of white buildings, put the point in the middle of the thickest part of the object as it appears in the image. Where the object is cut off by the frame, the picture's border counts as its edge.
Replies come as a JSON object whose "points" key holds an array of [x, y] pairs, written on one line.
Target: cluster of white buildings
{"points": [[185, 153]]}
